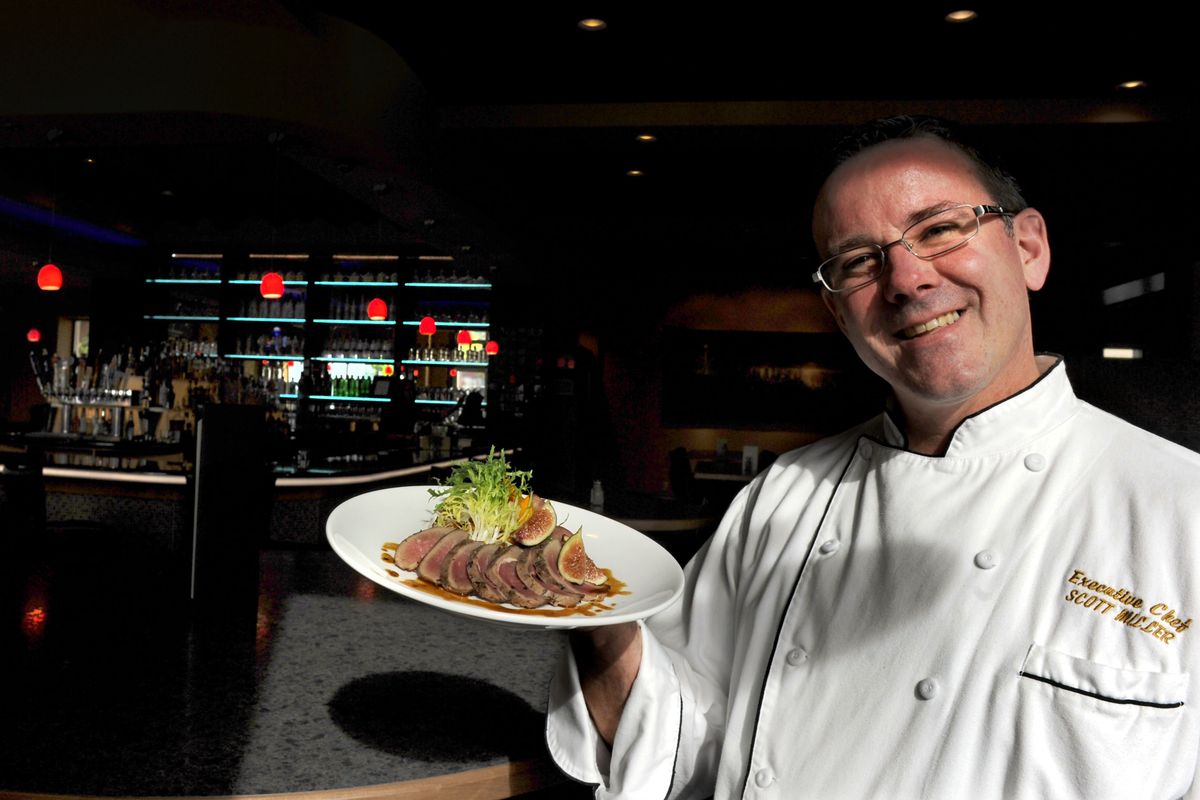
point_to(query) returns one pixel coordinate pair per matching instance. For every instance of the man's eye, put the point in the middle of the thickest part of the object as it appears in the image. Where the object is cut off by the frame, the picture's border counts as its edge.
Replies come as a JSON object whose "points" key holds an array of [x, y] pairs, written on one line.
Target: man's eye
{"points": [[941, 231], [860, 264]]}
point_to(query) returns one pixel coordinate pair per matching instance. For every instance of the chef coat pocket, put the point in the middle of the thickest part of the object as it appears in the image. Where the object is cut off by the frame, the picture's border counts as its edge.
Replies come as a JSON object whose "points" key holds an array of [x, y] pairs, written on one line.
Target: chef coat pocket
{"points": [[1086, 729], [1109, 684]]}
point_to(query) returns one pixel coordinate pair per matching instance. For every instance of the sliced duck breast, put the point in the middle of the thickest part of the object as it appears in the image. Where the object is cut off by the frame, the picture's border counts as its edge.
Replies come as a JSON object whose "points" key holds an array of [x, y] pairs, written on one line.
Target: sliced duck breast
{"points": [[527, 573], [477, 572], [454, 575], [410, 552], [434, 562], [503, 572]]}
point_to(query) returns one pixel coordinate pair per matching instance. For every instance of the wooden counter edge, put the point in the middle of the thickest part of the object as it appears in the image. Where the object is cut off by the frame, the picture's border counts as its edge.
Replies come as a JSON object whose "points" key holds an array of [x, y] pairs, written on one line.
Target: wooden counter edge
{"points": [[486, 783]]}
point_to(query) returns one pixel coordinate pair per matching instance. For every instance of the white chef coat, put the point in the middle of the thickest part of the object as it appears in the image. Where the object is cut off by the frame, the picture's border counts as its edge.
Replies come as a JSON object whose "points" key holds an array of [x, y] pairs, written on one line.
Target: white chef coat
{"points": [[1011, 620]]}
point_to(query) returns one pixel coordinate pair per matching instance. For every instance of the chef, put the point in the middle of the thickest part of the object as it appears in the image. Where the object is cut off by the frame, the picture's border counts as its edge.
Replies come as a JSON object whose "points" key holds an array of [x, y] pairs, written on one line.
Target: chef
{"points": [[988, 591]]}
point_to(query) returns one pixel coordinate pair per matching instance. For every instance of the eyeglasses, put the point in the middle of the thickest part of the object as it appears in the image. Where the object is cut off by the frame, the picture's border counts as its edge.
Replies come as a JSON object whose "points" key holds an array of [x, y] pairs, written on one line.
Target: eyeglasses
{"points": [[933, 236]]}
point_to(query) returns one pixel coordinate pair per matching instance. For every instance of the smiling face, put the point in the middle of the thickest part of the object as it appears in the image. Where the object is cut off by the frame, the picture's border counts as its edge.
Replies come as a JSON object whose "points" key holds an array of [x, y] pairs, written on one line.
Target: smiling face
{"points": [[952, 335]]}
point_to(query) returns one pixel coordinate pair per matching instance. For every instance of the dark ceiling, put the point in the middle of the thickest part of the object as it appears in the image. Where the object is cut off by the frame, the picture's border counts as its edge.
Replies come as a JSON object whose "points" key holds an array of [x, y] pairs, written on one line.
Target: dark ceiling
{"points": [[520, 54], [525, 128]]}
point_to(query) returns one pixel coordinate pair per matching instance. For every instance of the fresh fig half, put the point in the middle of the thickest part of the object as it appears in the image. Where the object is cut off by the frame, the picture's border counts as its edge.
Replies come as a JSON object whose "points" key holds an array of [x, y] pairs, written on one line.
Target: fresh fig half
{"points": [[538, 526], [575, 565]]}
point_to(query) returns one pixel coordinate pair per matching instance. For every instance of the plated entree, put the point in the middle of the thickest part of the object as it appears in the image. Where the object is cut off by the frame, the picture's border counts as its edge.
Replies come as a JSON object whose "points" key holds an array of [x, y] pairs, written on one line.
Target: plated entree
{"points": [[492, 537]]}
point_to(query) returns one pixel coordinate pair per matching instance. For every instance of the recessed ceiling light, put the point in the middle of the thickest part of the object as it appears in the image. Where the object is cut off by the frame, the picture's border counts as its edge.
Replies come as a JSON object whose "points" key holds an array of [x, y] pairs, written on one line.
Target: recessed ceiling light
{"points": [[89, 161], [635, 173], [167, 193], [592, 24], [1132, 85], [962, 15], [647, 137]]}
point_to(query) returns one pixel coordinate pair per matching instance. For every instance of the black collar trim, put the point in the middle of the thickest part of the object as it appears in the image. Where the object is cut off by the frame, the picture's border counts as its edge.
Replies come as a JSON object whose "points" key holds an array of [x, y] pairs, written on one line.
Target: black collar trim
{"points": [[1058, 360]]}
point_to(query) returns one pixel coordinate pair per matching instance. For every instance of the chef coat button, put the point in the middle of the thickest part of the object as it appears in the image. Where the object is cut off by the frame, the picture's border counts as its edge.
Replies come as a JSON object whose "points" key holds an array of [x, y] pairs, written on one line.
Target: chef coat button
{"points": [[764, 778], [829, 547], [927, 688], [864, 449], [797, 657], [1035, 462], [985, 559]]}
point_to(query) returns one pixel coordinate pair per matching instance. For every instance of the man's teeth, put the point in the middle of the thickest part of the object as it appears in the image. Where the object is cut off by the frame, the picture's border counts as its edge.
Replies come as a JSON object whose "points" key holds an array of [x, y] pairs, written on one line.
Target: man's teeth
{"points": [[925, 327]]}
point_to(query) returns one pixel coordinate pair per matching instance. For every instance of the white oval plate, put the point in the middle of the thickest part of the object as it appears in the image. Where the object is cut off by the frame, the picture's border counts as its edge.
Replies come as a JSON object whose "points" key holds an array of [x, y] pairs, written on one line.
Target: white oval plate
{"points": [[358, 528]]}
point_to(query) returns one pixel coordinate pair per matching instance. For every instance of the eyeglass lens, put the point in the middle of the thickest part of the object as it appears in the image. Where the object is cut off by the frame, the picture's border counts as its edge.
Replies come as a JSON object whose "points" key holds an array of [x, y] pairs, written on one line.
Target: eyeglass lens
{"points": [[929, 238]]}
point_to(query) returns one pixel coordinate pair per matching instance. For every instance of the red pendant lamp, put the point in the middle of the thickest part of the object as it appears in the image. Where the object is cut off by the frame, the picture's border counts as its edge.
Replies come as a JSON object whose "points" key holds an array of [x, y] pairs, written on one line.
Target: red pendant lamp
{"points": [[34, 335], [49, 278], [492, 347], [271, 287], [377, 310], [427, 327], [463, 337]]}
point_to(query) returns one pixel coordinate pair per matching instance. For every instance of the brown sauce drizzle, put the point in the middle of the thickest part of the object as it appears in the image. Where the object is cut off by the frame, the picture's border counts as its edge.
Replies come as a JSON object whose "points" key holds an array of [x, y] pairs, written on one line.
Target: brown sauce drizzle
{"points": [[584, 609]]}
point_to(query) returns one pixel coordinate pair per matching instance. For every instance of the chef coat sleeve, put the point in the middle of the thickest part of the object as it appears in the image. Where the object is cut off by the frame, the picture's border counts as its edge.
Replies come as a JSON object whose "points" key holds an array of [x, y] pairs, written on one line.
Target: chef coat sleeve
{"points": [[669, 738], [1194, 792]]}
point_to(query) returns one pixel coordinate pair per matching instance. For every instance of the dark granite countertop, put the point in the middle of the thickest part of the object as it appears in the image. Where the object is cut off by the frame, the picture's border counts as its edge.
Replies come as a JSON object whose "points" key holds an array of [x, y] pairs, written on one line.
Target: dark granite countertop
{"points": [[326, 681]]}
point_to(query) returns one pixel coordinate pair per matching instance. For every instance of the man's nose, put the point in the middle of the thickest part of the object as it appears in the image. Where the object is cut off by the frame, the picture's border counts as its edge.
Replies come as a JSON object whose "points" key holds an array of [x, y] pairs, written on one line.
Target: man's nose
{"points": [[905, 277]]}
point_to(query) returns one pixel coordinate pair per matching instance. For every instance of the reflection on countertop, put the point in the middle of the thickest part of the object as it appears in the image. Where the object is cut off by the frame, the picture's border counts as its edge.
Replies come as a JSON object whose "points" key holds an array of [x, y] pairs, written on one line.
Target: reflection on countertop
{"points": [[163, 465]]}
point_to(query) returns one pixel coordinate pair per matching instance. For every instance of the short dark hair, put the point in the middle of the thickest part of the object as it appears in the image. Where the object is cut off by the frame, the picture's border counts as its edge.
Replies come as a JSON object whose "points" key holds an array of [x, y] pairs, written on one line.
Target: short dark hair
{"points": [[1002, 186]]}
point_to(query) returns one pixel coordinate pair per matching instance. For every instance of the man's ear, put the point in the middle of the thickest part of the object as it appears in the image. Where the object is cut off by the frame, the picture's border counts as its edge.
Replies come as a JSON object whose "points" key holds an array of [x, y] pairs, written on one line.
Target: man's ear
{"points": [[832, 305], [1033, 243]]}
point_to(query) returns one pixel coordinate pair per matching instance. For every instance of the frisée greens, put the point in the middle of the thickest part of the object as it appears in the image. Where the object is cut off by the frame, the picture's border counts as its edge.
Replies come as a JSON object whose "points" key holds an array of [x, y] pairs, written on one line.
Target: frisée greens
{"points": [[485, 498]]}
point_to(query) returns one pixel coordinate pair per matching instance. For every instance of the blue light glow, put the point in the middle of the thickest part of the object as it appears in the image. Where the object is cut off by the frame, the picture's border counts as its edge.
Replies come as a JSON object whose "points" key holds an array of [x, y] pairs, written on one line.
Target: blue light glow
{"points": [[68, 225]]}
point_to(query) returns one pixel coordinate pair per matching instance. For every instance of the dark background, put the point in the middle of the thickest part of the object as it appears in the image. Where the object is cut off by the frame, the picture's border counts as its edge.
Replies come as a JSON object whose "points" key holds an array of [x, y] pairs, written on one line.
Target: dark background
{"points": [[505, 136]]}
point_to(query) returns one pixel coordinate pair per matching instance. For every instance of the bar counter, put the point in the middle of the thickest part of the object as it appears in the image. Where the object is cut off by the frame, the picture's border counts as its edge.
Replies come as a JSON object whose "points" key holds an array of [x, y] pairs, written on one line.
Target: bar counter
{"points": [[158, 463], [143, 490]]}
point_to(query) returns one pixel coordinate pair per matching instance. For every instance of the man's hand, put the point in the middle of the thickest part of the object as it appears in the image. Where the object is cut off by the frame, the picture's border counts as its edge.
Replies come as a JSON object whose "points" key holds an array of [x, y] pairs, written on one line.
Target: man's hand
{"points": [[608, 660]]}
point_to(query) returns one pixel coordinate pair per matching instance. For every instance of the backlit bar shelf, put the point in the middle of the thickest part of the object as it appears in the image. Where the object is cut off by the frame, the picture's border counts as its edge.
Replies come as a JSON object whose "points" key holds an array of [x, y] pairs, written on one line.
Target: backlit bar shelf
{"points": [[355, 360], [355, 321], [299, 320], [181, 317], [207, 281], [463, 364], [435, 285], [260, 357], [352, 284], [442, 403], [447, 324], [341, 398], [243, 282]]}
